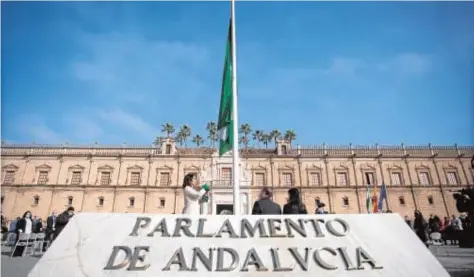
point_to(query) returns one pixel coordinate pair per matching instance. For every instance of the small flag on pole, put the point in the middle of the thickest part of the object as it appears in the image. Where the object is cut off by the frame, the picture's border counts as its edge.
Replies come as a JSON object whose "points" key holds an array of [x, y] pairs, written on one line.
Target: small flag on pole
{"points": [[375, 201], [368, 200], [382, 197], [225, 122]]}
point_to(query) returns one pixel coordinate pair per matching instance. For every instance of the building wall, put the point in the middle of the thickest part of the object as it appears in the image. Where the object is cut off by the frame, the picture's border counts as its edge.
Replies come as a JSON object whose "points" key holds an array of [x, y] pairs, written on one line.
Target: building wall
{"points": [[317, 172]]}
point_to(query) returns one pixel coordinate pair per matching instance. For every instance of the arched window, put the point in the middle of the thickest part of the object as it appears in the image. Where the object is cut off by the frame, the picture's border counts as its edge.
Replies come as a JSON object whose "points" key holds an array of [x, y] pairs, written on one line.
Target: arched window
{"points": [[430, 200], [131, 201], [345, 201], [70, 200], [101, 201], [401, 200], [36, 200]]}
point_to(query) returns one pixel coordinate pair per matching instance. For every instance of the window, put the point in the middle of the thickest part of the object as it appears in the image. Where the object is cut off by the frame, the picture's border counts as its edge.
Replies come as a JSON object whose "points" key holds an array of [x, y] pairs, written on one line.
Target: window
{"points": [[131, 202], [369, 178], [70, 200], [314, 179], [76, 178], [430, 200], [396, 178], [401, 200], [342, 178], [3, 198], [43, 177], [101, 201], [168, 149], [284, 150], [9, 177], [135, 178], [452, 178], [287, 179], [260, 179], [162, 202], [165, 179], [104, 178], [424, 178], [345, 201], [36, 200], [226, 173]]}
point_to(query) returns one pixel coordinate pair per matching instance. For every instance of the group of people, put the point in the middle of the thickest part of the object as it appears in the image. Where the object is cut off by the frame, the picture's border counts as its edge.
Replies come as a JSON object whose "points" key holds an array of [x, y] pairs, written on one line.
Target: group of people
{"points": [[29, 224], [449, 229], [195, 193]]}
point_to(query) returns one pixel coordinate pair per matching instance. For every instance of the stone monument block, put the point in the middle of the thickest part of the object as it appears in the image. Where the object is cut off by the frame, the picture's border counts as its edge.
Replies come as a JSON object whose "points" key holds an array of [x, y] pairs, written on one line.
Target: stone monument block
{"points": [[146, 245]]}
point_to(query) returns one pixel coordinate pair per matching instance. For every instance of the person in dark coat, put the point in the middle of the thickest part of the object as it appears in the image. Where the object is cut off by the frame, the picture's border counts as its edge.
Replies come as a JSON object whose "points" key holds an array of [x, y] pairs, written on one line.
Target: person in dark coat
{"points": [[62, 220], [295, 204], [50, 226], [265, 204], [24, 225], [421, 227]]}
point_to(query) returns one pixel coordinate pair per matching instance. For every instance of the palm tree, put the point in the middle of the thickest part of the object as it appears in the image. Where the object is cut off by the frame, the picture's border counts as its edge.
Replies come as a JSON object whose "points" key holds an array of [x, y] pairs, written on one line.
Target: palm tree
{"points": [[157, 141], [168, 128], [290, 135], [184, 133], [275, 134], [244, 140], [257, 136], [266, 139], [198, 140], [245, 129], [213, 136], [179, 138]]}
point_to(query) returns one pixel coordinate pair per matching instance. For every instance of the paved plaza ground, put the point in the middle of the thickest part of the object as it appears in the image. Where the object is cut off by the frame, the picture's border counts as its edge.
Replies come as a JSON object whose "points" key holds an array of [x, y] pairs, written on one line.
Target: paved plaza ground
{"points": [[458, 261]]}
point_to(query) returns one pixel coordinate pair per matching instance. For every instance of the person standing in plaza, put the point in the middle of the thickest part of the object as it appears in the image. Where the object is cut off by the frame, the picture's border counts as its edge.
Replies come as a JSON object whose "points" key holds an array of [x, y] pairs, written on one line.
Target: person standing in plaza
{"points": [[265, 204], [421, 227], [23, 226], [295, 204], [62, 221], [192, 194], [50, 226]]}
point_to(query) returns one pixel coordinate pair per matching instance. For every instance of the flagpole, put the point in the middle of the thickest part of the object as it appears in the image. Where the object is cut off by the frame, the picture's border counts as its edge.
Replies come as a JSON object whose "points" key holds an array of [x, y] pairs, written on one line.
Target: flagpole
{"points": [[235, 146]]}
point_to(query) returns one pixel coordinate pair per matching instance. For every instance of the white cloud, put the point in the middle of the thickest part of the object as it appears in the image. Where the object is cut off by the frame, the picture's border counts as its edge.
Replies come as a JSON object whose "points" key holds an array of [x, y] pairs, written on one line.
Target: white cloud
{"points": [[129, 122], [34, 127]]}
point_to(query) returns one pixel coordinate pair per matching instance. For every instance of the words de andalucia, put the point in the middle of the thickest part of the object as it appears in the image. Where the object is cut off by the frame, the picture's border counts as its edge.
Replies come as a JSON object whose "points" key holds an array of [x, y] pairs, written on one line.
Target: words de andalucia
{"points": [[212, 258]]}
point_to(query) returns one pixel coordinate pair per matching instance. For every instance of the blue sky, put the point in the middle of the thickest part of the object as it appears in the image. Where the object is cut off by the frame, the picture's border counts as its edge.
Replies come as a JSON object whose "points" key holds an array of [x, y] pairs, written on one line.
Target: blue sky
{"points": [[339, 73]]}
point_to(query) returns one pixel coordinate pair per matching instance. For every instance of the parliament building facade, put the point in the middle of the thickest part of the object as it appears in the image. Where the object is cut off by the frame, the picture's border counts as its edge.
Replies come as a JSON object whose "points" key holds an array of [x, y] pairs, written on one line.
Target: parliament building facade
{"points": [[44, 179]]}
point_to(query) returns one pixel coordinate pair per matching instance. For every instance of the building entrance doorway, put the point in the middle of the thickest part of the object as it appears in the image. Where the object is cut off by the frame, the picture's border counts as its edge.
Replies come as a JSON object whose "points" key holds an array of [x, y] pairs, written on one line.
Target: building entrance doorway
{"points": [[224, 209]]}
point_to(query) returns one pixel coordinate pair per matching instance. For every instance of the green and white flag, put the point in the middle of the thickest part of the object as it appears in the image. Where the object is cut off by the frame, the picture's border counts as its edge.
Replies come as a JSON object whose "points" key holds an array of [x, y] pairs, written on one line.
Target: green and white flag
{"points": [[225, 123]]}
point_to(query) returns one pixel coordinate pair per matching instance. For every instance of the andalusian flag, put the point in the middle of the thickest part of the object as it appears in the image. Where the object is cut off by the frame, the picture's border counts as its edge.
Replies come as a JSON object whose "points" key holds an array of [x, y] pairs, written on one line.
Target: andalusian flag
{"points": [[368, 200], [225, 122], [375, 202]]}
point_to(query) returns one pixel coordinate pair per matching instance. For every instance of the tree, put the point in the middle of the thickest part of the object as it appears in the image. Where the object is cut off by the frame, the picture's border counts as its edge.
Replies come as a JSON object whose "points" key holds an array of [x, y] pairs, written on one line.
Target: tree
{"points": [[266, 139], [198, 140], [157, 141], [275, 134], [183, 134], [245, 129], [290, 135], [168, 128], [212, 135], [257, 136], [244, 140]]}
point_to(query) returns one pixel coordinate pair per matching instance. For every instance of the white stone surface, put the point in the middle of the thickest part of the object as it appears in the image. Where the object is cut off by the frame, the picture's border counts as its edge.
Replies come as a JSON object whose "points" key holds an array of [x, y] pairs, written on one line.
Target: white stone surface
{"points": [[85, 245]]}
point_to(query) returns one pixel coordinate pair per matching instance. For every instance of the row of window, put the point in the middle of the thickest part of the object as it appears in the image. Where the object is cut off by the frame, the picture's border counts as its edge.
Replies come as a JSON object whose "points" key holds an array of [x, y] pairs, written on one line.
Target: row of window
{"points": [[259, 178], [401, 201], [369, 178], [100, 201], [162, 201], [76, 178]]}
